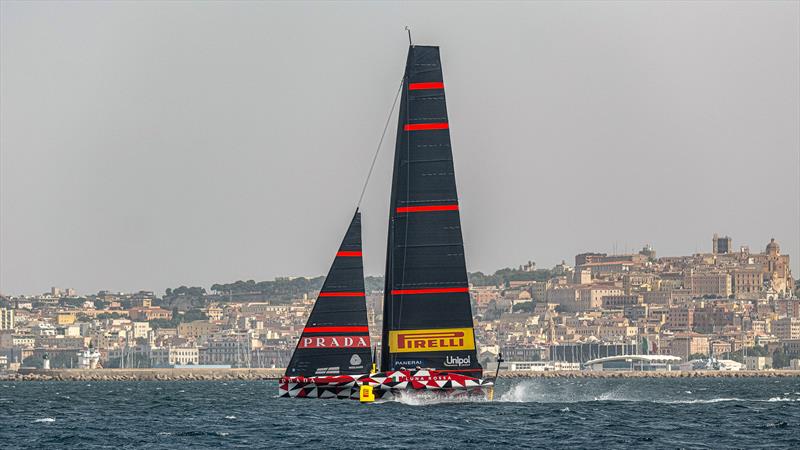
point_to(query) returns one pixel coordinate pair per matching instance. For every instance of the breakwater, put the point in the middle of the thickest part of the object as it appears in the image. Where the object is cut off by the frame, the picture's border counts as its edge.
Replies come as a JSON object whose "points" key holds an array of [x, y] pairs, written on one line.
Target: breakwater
{"points": [[193, 374], [203, 374]]}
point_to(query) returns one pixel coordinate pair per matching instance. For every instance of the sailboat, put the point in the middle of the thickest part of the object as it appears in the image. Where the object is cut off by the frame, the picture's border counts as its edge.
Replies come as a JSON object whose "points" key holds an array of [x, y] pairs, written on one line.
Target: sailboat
{"points": [[428, 339]]}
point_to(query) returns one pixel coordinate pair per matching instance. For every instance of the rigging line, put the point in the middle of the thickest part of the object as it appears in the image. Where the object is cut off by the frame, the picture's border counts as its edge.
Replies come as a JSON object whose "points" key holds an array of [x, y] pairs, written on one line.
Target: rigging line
{"points": [[380, 143]]}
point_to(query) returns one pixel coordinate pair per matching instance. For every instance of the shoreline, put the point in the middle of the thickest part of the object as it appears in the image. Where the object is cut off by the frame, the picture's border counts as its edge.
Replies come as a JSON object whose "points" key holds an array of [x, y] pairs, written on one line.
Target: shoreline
{"points": [[275, 374]]}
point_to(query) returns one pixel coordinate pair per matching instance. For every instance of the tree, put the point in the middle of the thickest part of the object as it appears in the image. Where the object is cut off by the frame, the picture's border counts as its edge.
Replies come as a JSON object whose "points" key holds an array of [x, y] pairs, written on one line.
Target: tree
{"points": [[525, 307], [163, 323], [493, 312], [76, 302], [781, 359], [112, 315]]}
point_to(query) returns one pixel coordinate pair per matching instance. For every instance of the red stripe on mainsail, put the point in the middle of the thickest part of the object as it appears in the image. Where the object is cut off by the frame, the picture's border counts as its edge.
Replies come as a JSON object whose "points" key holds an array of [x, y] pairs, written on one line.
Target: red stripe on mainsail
{"points": [[336, 330], [426, 126], [413, 209], [341, 294], [358, 253], [429, 291], [418, 86]]}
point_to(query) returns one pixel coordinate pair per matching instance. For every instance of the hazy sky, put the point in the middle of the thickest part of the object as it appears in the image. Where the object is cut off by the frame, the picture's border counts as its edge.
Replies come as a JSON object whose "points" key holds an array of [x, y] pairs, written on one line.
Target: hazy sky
{"points": [[150, 145]]}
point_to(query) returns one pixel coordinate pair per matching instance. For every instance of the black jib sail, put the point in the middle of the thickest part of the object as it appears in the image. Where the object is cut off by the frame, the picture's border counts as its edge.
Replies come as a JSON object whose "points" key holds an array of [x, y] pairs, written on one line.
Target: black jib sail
{"points": [[335, 340], [427, 318]]}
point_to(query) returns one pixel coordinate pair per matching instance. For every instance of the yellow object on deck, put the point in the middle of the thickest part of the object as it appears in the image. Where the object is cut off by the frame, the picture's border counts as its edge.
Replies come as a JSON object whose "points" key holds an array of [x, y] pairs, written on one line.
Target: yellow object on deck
{"points": [[365, 394], [490, 393]]}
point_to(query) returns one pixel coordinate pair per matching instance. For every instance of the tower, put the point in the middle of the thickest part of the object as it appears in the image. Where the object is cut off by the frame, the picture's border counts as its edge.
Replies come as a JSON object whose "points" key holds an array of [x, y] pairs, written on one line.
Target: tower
{"points": [[721, 245]]}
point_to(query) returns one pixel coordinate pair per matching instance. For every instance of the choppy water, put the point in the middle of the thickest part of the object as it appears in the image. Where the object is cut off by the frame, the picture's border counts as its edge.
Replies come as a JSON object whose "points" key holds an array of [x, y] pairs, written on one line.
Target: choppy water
{"points": [[553, 413]]}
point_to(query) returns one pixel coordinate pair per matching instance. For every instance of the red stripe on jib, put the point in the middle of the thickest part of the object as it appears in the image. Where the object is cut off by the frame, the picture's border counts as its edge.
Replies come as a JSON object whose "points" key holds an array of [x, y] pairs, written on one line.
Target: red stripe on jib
{"points": [[341, 294], [426, 126], [419, 86], [428, 291], [336, 330], [348, 253], [413, 209]]}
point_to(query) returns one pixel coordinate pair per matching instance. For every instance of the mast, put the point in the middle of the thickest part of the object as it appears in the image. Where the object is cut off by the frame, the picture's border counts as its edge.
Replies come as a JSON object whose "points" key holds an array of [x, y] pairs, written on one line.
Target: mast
{"points": [[335, 340], [427, 315]]}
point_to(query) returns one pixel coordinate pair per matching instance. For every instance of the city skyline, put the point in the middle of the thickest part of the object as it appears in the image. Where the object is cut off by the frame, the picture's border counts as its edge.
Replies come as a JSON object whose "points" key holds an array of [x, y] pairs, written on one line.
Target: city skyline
{"points": [[569, 261], [163, 153]]}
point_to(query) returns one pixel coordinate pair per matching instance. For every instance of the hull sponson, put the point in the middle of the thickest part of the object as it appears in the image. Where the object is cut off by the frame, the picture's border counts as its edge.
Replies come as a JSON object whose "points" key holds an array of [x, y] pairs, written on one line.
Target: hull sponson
{"points": [[386, 385], [426, 277], [335, 340]]}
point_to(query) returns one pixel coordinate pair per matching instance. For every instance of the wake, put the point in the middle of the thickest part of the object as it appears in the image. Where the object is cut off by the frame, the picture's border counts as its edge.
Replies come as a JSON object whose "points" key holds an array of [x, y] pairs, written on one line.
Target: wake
{"points": [[425, 398], [535, 392]]}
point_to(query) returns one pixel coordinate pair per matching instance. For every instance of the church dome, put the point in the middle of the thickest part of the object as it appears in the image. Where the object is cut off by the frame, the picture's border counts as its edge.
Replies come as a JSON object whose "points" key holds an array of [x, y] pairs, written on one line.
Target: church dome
{"points": [[773, 248]]}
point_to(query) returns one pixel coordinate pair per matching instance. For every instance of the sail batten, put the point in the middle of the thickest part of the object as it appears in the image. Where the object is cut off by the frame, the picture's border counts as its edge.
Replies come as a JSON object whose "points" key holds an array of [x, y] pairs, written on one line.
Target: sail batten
{"points": [[427, 318], [335, 340]]}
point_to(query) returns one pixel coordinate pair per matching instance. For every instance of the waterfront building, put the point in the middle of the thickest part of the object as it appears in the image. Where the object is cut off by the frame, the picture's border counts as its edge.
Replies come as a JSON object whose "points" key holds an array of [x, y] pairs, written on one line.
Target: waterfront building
{"points": [[184, 355], [686, 344], [581, 352], [533, 366], [634, 363], [233, 348], [758, 362], [524, 352]]}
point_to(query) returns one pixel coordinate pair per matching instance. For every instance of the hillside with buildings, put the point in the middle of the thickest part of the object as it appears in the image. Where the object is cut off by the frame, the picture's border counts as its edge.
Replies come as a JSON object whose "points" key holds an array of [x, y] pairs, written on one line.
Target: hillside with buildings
{"points": [[727, 303]]}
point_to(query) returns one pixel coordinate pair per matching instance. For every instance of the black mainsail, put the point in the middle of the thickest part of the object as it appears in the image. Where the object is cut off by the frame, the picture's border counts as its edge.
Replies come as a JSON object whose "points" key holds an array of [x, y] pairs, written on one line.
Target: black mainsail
{"points": [[335, 340], [427, 317]]}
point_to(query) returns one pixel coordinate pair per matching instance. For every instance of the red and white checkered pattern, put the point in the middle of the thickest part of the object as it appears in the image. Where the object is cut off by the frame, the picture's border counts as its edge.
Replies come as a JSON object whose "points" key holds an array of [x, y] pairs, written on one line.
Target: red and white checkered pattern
{"points": [[385, 384]]}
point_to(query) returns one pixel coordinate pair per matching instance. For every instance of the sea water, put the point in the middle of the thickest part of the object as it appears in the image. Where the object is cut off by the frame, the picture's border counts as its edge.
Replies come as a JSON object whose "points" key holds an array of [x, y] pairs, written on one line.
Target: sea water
{"points": [[551, 413]]}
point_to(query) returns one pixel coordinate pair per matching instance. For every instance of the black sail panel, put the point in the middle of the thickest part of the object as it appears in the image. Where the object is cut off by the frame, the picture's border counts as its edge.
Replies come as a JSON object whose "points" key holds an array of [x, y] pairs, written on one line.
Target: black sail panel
{"points": [[335, 340], [427, 318]]}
